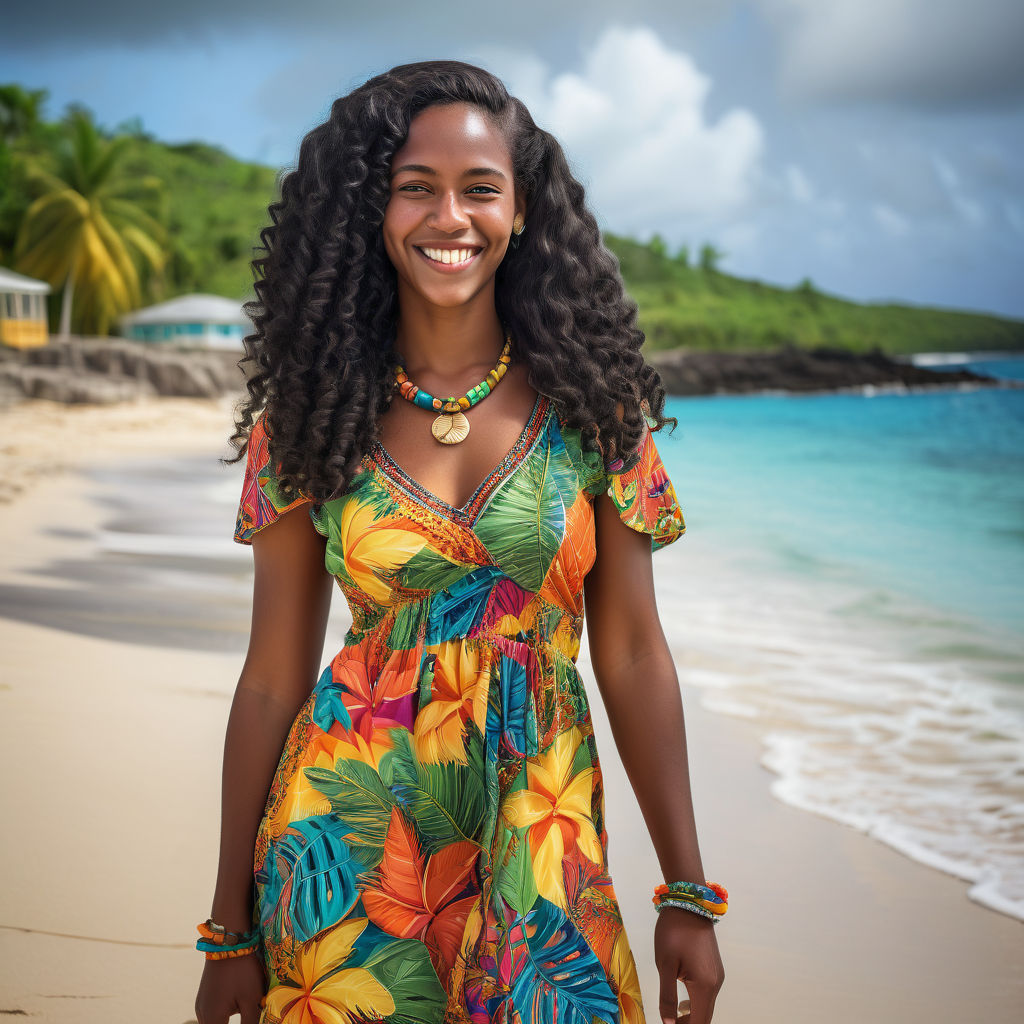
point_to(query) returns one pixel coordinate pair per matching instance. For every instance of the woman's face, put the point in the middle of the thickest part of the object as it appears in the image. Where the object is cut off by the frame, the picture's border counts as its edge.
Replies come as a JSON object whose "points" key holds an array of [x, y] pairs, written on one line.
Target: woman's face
{"points": [[449, 217]]}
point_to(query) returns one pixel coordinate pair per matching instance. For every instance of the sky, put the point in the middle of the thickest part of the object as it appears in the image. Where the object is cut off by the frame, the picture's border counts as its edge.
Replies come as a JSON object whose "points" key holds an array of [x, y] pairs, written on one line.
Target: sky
{"points": [[874, 146]]}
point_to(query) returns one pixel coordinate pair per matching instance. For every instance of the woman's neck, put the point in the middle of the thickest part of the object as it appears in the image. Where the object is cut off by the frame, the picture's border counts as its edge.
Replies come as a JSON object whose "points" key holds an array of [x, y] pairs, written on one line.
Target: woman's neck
{"points": [[447, 343]]}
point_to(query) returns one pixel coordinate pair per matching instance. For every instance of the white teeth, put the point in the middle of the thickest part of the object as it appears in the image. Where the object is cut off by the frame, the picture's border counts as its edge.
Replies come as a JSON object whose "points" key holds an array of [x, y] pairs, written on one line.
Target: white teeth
{"points": [[449, 255]]}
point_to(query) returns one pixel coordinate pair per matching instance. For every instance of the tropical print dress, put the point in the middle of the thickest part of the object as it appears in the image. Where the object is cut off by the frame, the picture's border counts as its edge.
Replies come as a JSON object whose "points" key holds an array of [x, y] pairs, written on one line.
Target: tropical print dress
{"points": [[433, 846]]}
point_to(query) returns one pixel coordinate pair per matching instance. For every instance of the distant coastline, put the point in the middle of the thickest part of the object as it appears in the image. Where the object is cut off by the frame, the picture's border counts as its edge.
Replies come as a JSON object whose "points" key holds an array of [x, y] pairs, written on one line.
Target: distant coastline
{"points": [[100, 371]]}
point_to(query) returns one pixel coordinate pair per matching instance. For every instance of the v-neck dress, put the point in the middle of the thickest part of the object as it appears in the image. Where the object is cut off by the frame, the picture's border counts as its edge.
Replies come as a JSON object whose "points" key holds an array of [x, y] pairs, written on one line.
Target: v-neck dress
{"points": [[433, 846]]}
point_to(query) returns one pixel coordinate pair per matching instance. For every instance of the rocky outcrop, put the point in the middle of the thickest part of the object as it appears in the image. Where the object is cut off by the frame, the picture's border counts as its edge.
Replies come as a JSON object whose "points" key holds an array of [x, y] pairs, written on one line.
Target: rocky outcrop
{"points": [[105, 370], [791, 368]]}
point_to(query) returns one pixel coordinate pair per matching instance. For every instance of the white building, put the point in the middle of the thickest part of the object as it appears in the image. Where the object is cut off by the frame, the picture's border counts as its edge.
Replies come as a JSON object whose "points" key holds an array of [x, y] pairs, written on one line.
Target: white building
{"points": [[201, 320]]}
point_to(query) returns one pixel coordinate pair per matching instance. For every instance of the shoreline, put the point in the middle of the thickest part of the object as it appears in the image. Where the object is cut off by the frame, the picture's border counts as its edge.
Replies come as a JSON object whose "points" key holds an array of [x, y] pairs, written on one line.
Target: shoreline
{"points": [[862, 930], [108, 371]]}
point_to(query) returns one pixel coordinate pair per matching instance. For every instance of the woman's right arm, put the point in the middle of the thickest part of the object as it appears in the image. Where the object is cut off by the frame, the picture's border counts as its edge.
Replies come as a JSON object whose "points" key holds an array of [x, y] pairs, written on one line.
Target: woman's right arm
{"points": [[291, 601]]}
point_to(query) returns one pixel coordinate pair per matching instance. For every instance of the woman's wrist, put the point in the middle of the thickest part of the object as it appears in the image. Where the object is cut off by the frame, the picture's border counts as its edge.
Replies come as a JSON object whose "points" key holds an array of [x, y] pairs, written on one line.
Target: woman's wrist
{"points": [[234, 916]]}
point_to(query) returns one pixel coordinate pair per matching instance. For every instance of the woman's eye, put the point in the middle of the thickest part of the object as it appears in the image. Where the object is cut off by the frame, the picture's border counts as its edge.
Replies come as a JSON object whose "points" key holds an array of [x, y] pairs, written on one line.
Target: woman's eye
{"points": [[494, 191]]}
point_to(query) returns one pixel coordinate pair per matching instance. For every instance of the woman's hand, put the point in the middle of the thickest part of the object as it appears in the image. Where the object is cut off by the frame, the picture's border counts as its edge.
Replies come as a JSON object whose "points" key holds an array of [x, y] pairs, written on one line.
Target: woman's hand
{"points": [[234, 985], [686, 950]]}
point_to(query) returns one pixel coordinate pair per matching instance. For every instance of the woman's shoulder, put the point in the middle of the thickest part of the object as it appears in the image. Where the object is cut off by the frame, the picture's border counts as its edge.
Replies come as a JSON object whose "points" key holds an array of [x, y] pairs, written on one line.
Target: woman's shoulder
{"points": [[263, 500]]}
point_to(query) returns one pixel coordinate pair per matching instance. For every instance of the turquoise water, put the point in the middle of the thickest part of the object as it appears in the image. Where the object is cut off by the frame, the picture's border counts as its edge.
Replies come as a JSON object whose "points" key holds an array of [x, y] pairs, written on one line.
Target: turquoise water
{"points": [[852, 580], [919, 494]]}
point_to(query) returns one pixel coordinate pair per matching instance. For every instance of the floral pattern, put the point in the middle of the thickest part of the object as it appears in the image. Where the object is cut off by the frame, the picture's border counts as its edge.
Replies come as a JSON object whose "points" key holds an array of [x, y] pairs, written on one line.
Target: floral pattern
{"points": [[433, 845]]}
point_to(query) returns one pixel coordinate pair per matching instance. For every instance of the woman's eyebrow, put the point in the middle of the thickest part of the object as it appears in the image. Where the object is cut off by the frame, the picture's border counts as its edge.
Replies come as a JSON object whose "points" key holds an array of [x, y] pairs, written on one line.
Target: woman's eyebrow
{"points": [[492, 172]]}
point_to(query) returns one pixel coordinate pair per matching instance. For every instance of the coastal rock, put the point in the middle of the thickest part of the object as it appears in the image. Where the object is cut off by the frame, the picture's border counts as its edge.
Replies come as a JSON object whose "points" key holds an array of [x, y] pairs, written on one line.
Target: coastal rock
{"points": [[792, 368], [106, 370]]}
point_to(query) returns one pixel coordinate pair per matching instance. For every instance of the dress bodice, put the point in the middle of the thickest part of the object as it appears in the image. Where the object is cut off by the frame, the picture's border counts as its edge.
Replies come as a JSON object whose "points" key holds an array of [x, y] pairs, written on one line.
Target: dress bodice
{"points": [[403, 557]]}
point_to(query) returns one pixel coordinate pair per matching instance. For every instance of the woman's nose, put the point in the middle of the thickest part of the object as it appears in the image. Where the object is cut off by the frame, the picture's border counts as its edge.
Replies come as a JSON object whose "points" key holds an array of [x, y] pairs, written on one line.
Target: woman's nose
{"points": [[448, 212]]}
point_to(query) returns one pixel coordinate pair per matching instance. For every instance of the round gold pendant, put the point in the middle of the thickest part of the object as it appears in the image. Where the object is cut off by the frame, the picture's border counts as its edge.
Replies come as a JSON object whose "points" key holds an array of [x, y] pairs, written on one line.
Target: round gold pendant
{"points": [[450, 429]]}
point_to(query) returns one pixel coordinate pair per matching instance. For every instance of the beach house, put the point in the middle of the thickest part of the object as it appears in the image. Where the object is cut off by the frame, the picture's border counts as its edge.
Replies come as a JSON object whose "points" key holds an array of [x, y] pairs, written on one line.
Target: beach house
{"points": [[198, 320], [22, 310]]}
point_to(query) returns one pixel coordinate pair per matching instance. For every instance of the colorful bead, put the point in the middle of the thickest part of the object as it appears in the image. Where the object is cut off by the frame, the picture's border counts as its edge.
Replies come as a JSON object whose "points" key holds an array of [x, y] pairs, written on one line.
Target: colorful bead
{"points": [[709, 900], [213, 941], [453, 405]]}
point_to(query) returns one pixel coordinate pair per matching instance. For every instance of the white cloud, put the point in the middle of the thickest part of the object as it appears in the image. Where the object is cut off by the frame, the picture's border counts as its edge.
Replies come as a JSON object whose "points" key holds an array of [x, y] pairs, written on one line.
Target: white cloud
{"points": [[927, 52], [633, 123], [970, 210], [800, 187], [890, 221]]}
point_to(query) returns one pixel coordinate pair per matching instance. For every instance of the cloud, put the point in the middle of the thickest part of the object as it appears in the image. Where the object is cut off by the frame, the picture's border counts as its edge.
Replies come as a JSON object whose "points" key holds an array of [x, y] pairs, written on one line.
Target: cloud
{"points": [[930, 53], [634, 126], [72, 25], [890, 221]]}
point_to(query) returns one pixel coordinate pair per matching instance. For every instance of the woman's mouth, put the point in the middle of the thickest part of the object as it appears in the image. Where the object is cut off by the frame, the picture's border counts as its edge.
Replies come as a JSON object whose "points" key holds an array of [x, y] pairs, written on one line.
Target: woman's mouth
{"points": [[449, 260]]}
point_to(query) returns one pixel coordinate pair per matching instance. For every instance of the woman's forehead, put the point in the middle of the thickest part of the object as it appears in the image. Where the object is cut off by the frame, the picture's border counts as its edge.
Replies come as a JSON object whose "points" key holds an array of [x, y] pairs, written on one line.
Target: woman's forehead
{"points": [[457, 132]]}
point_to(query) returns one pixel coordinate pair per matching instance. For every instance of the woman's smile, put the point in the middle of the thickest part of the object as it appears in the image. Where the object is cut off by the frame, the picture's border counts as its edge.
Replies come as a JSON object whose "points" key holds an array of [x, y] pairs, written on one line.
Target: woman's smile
{"points": [[448, 261]]}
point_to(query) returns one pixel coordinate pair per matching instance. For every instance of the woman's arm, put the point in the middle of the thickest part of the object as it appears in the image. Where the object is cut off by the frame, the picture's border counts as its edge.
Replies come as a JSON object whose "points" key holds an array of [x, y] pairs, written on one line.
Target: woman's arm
{"points": [[291, 601], [637, 680]]}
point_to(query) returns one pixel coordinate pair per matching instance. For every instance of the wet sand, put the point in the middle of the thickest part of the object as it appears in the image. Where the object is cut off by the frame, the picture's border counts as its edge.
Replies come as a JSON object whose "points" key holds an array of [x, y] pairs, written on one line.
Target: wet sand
{"points": [[112, 750]]}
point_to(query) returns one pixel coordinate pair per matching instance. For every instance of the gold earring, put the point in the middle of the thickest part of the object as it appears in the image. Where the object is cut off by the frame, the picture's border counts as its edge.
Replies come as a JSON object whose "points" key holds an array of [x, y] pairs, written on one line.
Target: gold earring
{"points": [[518, 224]]}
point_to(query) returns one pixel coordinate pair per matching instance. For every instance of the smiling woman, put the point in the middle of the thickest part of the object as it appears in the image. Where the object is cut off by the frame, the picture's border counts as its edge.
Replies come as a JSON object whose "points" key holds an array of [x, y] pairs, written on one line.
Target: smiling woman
{"points": [[450, 212], [416, 832]]}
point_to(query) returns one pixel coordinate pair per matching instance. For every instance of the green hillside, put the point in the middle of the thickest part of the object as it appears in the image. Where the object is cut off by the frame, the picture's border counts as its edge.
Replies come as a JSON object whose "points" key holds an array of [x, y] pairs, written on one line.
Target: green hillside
{"points": [[211, 207], [686, 305]]}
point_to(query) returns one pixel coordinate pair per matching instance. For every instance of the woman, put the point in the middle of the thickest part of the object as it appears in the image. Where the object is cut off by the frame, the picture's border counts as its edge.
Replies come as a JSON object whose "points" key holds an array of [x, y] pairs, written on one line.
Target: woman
{"points": [[426, 821]]}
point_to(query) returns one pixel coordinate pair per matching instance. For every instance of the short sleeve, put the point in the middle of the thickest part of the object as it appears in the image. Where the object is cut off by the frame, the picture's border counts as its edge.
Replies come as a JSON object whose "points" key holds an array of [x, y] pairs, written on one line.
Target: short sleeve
{"points": [[262, 500], [643, 494]]}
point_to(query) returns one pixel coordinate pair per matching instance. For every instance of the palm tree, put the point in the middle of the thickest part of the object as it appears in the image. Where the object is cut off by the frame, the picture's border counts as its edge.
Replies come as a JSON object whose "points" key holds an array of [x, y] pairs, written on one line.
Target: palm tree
{"points": [[709, 257], [82, 230], [20, 111]]}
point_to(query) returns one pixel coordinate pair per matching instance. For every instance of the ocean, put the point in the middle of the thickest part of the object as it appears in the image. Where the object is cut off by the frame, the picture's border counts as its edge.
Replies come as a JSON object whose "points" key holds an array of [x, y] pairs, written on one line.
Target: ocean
{"points": [[862, 565], [861, 597]]}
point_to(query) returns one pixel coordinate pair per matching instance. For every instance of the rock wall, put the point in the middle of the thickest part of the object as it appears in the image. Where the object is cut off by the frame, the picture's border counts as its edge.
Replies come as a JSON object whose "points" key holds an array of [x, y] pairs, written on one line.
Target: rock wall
{"points": [[103, 370]]}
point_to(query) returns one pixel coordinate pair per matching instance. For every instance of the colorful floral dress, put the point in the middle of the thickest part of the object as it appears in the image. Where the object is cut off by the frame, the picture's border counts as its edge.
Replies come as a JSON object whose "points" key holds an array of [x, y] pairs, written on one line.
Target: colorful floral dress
{"points": [[433, 845]]}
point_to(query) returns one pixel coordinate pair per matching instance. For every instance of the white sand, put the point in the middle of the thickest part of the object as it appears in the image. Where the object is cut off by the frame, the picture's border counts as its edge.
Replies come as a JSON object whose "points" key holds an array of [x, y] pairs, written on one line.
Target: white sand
{"points": [[112, 756]]}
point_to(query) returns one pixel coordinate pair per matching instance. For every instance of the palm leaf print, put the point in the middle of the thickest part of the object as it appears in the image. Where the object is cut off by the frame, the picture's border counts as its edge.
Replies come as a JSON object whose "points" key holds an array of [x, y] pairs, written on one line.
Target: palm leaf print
{"points": [[309, 878], [523, 524], [454, 611], [445, 800], [428, 569], [560, 980], [403, 967], [518, 722], [359, 800], [329, 706], [514, 879]]}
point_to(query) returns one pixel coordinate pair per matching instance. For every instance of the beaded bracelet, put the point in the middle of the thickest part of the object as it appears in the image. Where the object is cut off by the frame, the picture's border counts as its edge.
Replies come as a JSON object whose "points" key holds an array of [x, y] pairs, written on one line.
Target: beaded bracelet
{"points": [[709, 900], [214, 942]]}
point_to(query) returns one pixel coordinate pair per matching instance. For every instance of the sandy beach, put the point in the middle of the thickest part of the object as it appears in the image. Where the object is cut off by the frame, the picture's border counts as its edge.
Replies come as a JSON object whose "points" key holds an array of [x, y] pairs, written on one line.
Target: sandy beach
{"points": [[112, 750]]}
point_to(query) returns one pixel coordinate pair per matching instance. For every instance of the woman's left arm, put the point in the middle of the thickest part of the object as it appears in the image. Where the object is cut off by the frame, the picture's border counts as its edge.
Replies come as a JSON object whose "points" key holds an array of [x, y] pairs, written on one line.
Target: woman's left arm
{"points": [[637, 679]]}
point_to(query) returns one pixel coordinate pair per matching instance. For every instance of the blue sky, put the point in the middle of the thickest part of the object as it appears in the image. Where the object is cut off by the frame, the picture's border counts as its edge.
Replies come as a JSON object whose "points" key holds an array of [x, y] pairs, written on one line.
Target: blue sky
{"points": [[876, 146]]}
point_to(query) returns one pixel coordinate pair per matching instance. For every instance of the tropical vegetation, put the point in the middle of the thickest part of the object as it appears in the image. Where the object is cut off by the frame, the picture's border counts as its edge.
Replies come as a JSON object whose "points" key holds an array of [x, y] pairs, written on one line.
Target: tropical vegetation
{"points": [[116, 219]]}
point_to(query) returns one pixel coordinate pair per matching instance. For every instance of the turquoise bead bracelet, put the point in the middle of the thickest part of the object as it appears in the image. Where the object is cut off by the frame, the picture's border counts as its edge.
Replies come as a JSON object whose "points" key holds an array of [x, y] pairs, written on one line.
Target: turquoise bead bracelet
{"points": [[709, 900]]}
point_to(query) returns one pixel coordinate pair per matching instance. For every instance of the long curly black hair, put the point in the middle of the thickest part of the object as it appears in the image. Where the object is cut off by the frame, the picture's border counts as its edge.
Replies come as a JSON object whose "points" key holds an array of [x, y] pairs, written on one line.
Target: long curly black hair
{"points": [[326, 310]]}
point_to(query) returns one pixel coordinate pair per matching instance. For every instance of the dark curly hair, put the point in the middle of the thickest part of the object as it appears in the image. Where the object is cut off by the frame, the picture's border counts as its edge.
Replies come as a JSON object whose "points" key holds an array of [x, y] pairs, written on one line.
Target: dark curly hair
{"points": [[326, 311]]}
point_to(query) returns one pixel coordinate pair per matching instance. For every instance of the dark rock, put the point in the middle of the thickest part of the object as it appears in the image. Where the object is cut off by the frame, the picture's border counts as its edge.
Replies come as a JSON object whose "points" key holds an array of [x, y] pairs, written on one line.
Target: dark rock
{"points": [[792, 368]]}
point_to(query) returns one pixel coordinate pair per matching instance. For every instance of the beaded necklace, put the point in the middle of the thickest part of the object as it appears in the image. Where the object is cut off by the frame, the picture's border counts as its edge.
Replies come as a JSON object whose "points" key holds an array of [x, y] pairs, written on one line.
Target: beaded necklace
{"points": [[451, 426]]}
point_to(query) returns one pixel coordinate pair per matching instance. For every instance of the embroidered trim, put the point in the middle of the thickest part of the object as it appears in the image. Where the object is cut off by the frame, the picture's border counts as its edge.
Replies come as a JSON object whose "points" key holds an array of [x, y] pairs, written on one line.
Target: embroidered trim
{"points": [[466, 514]]}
